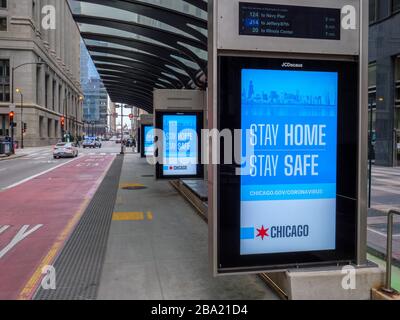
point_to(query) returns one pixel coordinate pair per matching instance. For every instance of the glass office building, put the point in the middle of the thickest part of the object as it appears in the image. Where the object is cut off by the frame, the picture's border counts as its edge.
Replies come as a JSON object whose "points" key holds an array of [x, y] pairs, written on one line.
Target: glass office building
{"points": [[384, 80]]}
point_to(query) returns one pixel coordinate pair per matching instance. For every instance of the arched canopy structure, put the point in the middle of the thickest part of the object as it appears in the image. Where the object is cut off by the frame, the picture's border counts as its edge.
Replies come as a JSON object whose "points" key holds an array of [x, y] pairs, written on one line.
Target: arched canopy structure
{"points": [[141, 45]]}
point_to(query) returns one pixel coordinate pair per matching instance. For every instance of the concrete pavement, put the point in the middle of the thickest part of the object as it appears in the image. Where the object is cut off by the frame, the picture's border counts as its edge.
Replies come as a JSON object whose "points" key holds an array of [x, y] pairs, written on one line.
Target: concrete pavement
{"points": [[158, 247]]}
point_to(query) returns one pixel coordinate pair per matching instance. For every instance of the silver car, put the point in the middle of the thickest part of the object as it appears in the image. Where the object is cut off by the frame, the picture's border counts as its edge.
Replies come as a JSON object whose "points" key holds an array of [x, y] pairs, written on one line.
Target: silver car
{"points": [[65, 150]]}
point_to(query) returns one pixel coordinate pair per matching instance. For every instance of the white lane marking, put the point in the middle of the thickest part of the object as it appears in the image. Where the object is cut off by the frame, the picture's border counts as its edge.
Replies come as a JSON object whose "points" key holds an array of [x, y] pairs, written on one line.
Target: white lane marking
{"points": [[38, 175], [3, 228], [21, 235]]}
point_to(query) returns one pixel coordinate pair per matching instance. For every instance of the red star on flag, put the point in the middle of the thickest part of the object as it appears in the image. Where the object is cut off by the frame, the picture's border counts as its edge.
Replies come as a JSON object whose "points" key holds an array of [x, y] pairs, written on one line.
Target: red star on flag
{"points": [[262, 233]]}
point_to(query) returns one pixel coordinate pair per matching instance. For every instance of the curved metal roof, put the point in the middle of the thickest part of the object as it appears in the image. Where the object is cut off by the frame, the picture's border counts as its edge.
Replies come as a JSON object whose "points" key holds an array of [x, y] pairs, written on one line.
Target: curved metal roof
{"points": [[149, 46]]}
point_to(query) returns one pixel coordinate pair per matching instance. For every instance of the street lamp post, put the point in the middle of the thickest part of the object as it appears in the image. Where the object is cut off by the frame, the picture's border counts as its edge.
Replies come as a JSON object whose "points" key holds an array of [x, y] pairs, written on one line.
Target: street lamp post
{"points": [[122, 130], [65, 120], [22, 116]]}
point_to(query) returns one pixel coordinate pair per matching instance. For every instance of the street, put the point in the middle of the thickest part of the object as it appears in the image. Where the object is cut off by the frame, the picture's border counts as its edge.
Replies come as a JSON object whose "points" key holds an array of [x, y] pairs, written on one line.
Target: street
{"points": [[17, 170], [384, 197], [41, 202]]}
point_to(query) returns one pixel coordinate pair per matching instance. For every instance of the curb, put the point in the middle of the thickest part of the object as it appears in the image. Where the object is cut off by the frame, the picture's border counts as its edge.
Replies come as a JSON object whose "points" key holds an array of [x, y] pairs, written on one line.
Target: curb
{"points": [[12, 157], [382, 256]]}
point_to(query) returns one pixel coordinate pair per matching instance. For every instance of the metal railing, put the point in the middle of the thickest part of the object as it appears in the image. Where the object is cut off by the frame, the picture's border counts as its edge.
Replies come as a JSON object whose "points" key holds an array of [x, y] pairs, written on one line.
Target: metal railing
{"points": [[388, 288]]}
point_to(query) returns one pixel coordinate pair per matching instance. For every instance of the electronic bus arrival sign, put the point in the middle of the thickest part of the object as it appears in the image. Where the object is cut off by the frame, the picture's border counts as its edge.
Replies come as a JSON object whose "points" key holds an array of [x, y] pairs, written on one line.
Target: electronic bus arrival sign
{"points": [[293, 80], [289, 21]]}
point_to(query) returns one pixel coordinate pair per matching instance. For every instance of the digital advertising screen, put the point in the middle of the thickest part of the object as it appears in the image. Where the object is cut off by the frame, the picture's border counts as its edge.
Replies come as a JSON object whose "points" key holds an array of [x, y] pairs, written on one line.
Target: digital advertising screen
{"points": [[288, 195], [148, 141], [293, 198], [181, 144]]}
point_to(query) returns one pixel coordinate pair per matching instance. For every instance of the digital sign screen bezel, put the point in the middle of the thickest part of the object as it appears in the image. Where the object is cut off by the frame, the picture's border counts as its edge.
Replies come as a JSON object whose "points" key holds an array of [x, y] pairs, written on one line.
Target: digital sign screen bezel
{"points": [[200, 125], [143, 139], [306, 18], [229, 186]]}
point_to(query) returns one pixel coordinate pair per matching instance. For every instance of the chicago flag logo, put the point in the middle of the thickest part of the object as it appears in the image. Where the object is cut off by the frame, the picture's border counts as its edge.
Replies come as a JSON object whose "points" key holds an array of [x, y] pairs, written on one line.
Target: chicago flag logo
{"points": [[263, 233]]}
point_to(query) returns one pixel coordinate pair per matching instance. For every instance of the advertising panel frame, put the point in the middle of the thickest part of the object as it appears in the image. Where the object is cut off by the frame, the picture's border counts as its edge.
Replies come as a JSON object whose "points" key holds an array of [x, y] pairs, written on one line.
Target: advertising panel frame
{"points": [[143, 139], [200, 125], [353, 46]]}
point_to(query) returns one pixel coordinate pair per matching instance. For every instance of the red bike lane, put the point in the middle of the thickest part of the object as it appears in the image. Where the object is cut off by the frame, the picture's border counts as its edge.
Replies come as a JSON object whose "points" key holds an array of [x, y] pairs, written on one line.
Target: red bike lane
{"points": [[38, 216]]}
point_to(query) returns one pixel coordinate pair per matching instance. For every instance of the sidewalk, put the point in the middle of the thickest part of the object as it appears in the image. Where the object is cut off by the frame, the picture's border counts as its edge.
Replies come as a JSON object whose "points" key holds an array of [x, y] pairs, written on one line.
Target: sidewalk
{"points": [[158, 247]]}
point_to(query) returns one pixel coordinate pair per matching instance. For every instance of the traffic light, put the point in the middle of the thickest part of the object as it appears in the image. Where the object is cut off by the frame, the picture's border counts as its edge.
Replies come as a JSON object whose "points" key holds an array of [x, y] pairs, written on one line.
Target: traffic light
{"points": [[63, 122], [11, 117], [25, 127]]}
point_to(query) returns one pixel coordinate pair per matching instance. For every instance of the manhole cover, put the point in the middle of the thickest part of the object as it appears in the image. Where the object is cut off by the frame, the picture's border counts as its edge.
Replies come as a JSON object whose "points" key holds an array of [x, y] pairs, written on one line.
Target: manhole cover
{"points": [[134, 188]]}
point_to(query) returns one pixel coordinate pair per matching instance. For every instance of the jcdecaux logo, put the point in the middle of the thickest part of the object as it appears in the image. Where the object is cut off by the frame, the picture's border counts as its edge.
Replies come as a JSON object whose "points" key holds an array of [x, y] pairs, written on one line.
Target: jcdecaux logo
{"points": [[275, 232]]}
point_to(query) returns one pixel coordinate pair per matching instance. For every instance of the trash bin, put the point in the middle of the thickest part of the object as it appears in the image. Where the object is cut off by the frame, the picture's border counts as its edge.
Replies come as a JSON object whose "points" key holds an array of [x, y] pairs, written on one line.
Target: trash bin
{"points": [[5, 148]]}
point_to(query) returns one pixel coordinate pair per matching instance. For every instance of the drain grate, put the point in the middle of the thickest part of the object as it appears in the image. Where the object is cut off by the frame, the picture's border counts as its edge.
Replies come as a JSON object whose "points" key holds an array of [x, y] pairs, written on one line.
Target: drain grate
{"points": [[79, 265], [148, 176], [135, 188]]}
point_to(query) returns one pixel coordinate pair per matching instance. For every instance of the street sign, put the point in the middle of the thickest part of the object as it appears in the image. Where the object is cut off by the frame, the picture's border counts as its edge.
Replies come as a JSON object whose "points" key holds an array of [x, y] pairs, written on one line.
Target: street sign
{"points": [[131, 116]]}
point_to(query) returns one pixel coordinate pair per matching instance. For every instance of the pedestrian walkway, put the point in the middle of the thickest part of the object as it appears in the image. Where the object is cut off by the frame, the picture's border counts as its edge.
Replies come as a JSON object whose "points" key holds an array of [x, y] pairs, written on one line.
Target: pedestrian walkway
{"points": [[158, 246]]}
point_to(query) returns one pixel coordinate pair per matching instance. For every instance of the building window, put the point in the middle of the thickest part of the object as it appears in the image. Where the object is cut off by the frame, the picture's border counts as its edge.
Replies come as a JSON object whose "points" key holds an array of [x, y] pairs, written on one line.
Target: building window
{"points": [[3, 4], [4, 80], [372, 75], [57, 129], [395, 5], [372, 101], [397, 108], [49, 122], [53, 102], [41, 124], [373, 10], [3, 23], [397, 81], [46, 91]]}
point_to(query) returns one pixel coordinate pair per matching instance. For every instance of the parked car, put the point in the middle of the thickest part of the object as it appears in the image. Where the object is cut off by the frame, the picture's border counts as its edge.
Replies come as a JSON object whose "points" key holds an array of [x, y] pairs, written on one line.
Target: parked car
{"points": [[65, 150], [89, 144]]}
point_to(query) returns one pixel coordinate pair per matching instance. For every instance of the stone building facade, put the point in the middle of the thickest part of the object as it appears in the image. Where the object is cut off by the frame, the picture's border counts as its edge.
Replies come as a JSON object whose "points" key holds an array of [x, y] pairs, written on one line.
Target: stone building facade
{"points": [[51, 90]]}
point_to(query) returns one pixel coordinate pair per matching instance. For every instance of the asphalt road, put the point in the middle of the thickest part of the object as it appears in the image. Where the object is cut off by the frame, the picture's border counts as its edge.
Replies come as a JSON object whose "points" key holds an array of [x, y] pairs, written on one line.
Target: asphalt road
{"points": [[17, 170]]}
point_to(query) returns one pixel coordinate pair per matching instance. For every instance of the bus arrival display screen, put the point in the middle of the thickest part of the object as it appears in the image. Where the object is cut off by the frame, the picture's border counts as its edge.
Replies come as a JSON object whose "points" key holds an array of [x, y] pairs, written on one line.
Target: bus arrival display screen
{"points": [[295, 200], [288, 197], [289, 21], [180, 145]]}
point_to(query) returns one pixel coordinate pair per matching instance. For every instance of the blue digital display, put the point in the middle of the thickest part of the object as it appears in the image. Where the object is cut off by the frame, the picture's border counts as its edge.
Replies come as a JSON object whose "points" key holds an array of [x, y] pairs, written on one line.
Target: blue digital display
{"points": [[148, 141], [180, 145], [288, 188]]}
